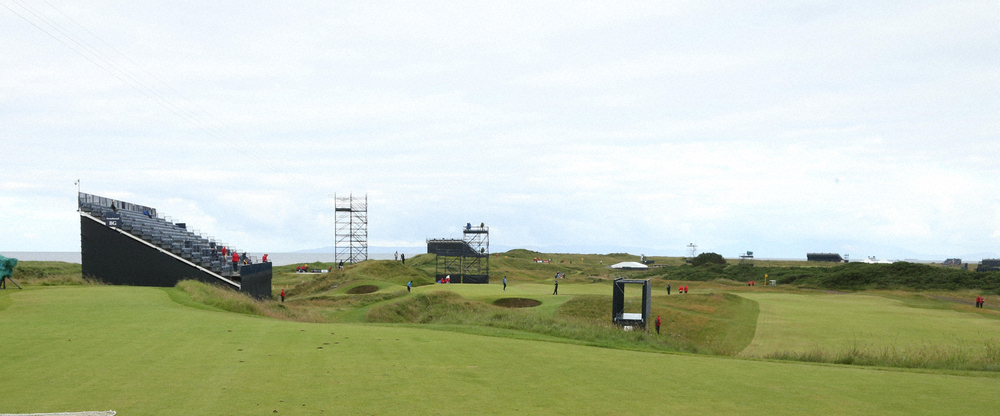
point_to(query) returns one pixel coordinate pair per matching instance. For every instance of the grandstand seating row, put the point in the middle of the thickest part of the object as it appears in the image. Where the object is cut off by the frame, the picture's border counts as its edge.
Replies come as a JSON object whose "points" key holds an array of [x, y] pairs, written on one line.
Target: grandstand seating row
{"points": [[167, 235]]}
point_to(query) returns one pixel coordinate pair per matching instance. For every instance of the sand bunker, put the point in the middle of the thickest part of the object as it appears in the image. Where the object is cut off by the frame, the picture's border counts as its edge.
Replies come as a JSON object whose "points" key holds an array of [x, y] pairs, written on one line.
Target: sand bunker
{"points": [[516, 303], [357, 290]]}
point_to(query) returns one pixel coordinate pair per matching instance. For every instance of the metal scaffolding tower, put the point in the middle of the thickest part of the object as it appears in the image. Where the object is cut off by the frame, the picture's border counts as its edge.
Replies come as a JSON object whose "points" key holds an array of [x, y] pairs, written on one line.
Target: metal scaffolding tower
{"points": [[351, 228], [478, 238]]}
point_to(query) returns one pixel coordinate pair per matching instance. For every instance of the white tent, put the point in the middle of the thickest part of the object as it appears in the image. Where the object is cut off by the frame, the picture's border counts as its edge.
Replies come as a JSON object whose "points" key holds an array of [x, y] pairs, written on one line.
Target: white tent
{"points": [[872, 260], [629, 265]]}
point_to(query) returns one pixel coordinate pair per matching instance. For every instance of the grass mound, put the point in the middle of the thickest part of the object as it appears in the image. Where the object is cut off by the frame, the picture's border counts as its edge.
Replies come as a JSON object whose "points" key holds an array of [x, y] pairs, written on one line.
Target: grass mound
{"points": [[361, 289], [516, 303], [719, 322], [584, 319], [232, 301]]}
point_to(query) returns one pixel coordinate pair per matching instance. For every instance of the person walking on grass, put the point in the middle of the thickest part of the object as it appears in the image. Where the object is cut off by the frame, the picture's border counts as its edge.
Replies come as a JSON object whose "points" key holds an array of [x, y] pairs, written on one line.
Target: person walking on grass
{"points": [[657, 324], [282, 295], [505, 283], [409, 285], [556, 292], [668, 288]]}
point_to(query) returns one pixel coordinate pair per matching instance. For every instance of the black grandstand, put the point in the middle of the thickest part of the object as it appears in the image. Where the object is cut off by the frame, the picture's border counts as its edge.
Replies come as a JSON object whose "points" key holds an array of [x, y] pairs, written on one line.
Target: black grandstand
{"points": [[831, 257], [989, 265], [130, 244], [463, 261]]}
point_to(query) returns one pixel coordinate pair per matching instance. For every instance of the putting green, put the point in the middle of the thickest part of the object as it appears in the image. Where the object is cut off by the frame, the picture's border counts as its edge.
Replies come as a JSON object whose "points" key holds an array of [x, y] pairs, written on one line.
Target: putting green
{"points": [[135, 351], [804, 322]]}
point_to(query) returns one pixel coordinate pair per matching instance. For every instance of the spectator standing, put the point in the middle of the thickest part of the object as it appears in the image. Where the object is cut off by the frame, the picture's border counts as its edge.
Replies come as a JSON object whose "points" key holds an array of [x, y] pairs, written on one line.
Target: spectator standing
{"points": [[409, 285], [263, 259], [505, 283], [282, 295], [402, 257], [236, 261], [668, 288], [657, 324]]}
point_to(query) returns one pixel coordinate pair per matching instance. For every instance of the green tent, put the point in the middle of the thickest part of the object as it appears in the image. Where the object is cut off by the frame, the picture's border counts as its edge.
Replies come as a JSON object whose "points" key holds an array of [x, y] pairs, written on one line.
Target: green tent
{"points": [[7, 266]]}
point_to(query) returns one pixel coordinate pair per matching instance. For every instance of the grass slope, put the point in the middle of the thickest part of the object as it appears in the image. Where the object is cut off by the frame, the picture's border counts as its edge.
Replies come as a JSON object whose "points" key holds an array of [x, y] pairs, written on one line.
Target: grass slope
{"points": [[135, 351]]}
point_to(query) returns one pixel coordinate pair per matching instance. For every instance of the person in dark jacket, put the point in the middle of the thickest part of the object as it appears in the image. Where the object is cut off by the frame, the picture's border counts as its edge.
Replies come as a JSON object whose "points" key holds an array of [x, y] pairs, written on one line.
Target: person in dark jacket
{"points": [[556, 292]]}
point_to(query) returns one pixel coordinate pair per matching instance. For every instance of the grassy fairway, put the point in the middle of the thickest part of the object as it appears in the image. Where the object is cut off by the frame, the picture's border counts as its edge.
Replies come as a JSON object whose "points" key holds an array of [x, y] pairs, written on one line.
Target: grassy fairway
{"points": [[803, 322], [136, 351]]}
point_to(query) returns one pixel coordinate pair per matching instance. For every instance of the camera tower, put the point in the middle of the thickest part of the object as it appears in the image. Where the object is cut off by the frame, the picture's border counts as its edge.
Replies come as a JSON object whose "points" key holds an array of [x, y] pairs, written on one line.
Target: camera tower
{"points": [[351, 228]]}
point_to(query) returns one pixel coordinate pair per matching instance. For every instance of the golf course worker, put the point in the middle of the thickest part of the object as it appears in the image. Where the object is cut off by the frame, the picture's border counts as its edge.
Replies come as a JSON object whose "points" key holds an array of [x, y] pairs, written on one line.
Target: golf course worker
{"points": [[657, 324]]}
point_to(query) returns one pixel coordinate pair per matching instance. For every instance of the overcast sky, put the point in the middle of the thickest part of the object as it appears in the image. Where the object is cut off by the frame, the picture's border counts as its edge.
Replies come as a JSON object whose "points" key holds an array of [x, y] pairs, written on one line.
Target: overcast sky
{"points": [[861, 128]]}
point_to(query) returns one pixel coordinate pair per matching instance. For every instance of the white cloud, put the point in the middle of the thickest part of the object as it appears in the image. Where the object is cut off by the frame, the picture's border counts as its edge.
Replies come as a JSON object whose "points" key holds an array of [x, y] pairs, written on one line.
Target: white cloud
{"points": [[588, 124]]}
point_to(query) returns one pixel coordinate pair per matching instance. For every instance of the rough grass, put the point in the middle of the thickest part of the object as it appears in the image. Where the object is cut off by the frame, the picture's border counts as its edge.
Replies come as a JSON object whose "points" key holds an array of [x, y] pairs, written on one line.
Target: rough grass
{"points": [[49, 273], [232, 301], [349, 301], [984, 356]]}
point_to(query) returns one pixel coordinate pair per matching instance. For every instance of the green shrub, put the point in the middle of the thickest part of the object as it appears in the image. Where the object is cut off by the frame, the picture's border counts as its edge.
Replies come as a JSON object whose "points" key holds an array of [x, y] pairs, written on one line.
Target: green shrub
{"points": [[708, 258]]}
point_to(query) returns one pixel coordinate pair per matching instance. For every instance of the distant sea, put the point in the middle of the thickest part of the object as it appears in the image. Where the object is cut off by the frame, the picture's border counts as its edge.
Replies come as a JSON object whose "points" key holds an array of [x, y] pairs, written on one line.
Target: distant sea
{"points": [[277, 259]]}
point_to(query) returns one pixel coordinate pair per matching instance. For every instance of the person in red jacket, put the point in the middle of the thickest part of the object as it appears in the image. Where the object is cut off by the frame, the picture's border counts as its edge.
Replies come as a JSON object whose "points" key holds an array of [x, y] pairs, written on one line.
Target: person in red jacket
{"points": [[263, 259], [282, 295], [236, 261], [657, 324], [223, 252]]}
